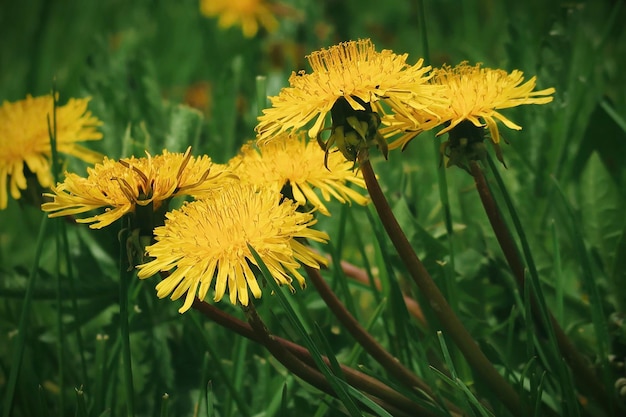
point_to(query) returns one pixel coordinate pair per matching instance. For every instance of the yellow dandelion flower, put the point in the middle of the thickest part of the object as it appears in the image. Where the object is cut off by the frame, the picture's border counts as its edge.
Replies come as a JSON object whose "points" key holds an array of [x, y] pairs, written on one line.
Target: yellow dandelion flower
{"points": [[25, 141], [248, 14], [206, 242], [475, 95], [290, 160], [349, 81], [119, 186]]}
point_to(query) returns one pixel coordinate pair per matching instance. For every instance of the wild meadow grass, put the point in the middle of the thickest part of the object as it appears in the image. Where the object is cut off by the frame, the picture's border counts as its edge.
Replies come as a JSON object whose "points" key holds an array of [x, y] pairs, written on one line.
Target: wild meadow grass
{"points": [[529, 255]]}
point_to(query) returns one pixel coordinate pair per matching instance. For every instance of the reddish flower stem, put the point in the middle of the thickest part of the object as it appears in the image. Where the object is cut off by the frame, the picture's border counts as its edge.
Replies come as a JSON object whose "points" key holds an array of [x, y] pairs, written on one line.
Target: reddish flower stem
{"points": [[448, 319], [371, 345], [583, 374], [377, 391]]}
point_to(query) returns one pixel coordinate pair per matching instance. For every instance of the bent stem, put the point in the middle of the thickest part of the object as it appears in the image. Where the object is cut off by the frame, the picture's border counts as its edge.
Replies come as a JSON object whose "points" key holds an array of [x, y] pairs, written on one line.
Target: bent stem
{"points": [[448, 319], [583, 374], [361, 335], [357, 379], [294, 364]]}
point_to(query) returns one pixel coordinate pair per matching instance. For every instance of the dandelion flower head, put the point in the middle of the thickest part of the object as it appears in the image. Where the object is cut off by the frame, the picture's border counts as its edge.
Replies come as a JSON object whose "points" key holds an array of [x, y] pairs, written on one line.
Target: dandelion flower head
{"points": [[208, 242], [248, 14], [119, 186], [291, 160], [476, 94], [353, 71], [25, 140]]}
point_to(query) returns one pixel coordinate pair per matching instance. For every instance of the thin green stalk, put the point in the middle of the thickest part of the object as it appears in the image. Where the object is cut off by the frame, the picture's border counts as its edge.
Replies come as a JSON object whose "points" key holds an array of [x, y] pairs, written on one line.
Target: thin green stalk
{"points": [[447, 317], [218, 369], [18, 348], [442, 180], [74, 298], [366, 263], [81, 404], [583, 374], [99, 389], [239, 353], [371, 345], [335, 250], [59, 317], [558, 276], [451, 288], [307, 372], [63, 247], [52, 134], [231, 124], [598, 317], [286, 358], [261, 93], [124, 325], [165, 403]]}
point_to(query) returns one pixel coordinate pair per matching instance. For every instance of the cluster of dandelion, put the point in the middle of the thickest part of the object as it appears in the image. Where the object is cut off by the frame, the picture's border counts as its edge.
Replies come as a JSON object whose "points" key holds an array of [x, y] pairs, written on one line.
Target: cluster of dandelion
{"points": [[253, 217]]}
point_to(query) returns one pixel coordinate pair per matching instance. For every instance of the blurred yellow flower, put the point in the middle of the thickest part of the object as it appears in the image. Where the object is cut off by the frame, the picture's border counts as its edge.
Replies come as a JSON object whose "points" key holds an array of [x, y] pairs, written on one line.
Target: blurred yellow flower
{"points": [[249, 14], [25, 140], [475, 95], [206, 242], [288, 160], [348, 80], [119, 186]]}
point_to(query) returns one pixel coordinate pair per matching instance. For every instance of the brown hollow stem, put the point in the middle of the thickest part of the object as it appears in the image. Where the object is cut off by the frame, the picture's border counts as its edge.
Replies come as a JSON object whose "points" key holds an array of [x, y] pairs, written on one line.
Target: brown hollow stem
{"points": [[447, 317], [359, 275], [385, 396], [583, 374], [286, 358], [365, 339]]}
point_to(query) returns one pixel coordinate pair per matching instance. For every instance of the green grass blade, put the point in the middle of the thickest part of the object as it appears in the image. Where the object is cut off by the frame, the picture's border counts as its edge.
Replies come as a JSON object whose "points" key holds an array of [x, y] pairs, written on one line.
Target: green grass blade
{"points": [[20, 340], [558, 276], [366, 263], [261, 93], [165, 405], [596, 302], [218, 368], [333, 380], [549, 352], [81, 405], [127, 366], [359, 396]]}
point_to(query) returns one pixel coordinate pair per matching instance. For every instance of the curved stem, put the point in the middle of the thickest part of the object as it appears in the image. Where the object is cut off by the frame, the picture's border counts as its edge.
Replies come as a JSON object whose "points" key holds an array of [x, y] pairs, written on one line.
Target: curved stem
{"points": [[294, 364], [583, 374], [371, 345], [286, 358], [355, 378], [449, 320]]}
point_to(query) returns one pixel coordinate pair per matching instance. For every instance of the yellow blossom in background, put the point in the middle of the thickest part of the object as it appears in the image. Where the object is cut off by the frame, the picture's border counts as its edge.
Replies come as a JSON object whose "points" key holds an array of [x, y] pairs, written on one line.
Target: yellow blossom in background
{"points": [[119, 186], [353, 72], [291, 160], [475, 95], [25, 139], [206, 242], [249, 14]]}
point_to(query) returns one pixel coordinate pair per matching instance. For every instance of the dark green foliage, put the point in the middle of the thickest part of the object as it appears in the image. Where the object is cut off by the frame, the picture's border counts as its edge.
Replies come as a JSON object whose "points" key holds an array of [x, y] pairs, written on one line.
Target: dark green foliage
{"points": [[143, 62]]}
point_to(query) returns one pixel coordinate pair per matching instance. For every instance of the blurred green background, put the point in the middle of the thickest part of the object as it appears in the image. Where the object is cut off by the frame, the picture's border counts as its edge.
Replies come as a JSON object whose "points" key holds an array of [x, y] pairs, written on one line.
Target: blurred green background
{"points": [[161, 75]]}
